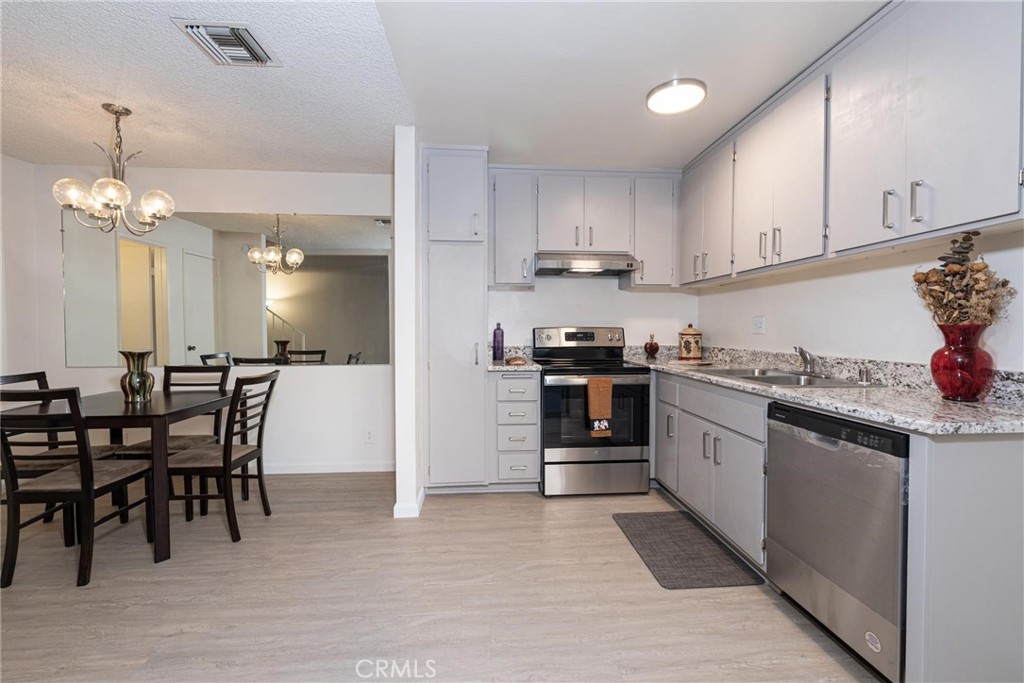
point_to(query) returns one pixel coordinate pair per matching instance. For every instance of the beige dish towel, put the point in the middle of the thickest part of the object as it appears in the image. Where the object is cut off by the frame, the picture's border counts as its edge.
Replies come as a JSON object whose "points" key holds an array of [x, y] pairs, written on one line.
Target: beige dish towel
{"points": [[599, 406]]}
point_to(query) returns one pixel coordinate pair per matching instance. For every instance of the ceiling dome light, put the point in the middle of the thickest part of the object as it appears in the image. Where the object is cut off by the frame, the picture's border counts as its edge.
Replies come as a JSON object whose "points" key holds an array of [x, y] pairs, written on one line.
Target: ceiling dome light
{"points": [[677, 95]]}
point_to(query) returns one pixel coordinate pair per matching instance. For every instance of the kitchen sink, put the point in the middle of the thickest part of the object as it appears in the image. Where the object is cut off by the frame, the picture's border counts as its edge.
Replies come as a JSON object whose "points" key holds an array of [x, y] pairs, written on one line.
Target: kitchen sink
{"points": [[793, 380], [747, 372]]}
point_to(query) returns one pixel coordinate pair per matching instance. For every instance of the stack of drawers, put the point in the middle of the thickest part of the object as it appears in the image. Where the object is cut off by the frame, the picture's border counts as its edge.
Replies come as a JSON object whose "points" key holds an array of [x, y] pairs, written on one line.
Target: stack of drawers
{"points": [[517, 433]]}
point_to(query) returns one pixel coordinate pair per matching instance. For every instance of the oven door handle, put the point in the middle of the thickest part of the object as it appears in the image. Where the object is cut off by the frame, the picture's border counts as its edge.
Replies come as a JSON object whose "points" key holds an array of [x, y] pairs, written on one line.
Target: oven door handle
{"points": [[573, 381]]}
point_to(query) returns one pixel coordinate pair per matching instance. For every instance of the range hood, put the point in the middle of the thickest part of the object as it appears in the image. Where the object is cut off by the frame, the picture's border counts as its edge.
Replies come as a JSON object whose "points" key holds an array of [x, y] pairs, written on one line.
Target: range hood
{"points": [[584, 264]]}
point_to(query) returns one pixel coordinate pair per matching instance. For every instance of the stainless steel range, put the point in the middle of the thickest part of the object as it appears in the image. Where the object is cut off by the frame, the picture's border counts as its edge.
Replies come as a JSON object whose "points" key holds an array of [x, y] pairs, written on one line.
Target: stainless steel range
{"points": [[574, 462]]}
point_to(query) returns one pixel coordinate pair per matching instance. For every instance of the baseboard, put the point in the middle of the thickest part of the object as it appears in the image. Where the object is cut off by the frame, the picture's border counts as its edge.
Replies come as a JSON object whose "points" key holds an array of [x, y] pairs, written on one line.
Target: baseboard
{"points": [[410, 510], [328, 467]]}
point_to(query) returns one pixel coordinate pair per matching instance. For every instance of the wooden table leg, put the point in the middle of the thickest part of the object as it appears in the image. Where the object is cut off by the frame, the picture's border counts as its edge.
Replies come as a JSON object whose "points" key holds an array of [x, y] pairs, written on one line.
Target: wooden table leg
{"points": [[161, 482]]}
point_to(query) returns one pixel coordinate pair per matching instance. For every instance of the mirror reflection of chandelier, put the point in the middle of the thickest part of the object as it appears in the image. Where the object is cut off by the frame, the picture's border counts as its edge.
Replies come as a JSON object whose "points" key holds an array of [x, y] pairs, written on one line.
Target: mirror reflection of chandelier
{"points": [[274, 258], [108, 198]]}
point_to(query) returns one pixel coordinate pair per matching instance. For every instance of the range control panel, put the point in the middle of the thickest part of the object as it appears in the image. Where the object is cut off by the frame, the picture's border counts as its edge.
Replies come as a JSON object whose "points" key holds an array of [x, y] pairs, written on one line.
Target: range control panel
{"points": [[560, 337]]}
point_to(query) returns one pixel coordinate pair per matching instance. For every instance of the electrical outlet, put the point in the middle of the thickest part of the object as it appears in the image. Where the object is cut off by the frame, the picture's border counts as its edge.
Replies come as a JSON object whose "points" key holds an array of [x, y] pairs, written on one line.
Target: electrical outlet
{"points": [[758, 327], [369, 436]]}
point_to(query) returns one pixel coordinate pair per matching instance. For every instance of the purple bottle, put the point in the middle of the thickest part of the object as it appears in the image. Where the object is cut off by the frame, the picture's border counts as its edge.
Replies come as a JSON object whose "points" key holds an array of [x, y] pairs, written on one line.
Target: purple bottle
{"points": [[498, 344]]}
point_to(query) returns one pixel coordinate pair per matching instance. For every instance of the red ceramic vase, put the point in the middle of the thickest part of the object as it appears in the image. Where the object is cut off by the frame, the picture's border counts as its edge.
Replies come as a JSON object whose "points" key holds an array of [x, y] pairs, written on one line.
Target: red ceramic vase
{"points": [[961, 370]]}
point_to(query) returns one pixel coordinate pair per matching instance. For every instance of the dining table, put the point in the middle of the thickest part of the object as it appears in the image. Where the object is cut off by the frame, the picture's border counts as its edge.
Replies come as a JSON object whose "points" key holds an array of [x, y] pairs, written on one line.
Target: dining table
{"points": [[110, 410]]}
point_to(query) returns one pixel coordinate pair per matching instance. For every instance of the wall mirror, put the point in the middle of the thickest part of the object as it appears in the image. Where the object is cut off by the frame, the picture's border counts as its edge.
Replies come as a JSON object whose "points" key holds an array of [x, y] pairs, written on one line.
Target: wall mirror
{"points": [[189, 288]]}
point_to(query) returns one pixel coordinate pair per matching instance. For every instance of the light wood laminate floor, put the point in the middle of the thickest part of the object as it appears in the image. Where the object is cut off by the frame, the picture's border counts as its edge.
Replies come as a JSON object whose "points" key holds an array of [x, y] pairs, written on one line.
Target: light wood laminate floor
{"points": [[480, 587]]}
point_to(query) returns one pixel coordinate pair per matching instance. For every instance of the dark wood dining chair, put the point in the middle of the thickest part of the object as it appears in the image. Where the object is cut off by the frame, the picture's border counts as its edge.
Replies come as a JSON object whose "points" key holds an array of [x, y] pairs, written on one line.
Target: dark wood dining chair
{"points": [[272, 360], [307, 357], [354, 358], [54, 458], [219, 358], [246, 419], [34, 432]]}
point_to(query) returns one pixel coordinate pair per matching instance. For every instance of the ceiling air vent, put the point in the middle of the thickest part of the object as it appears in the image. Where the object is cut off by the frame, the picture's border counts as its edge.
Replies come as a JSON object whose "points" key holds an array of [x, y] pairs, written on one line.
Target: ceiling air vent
{"points": [[227, 44]]}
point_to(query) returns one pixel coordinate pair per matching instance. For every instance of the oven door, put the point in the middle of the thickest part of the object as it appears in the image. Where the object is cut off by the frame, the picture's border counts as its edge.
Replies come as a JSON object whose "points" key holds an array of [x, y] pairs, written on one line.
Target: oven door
{"points": [[566, 426]]}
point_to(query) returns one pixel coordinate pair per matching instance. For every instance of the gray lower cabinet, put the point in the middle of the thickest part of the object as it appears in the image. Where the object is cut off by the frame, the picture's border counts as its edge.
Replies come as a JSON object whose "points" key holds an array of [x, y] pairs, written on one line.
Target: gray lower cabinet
{"points": [[514, 442], [710, 452]]}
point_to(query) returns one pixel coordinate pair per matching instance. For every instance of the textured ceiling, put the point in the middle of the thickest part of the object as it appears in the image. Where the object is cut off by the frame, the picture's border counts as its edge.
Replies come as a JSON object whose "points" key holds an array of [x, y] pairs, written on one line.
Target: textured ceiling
{"points": [[309, 233], [332, 106], [558, 83]]}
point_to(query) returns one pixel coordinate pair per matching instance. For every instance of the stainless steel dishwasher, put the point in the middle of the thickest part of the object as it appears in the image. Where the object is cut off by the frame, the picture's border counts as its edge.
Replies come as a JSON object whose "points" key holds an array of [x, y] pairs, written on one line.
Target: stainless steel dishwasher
{"points": [[836, 527]]}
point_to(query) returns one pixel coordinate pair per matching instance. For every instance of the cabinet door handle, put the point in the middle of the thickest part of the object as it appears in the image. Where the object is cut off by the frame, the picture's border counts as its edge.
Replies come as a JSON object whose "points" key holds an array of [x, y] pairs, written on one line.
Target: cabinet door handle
{"points": [[762, 245], [524, 269], [696, 270], [517, 468], [476, 224], [476, 353], [577, 235], [914, 216], [670, 428], [591, 235], [886, 223], [517, 391], [517, 414], [704, 263], [717, 441], [517, 438], [641, 269], [704, 444], [777, 243]]}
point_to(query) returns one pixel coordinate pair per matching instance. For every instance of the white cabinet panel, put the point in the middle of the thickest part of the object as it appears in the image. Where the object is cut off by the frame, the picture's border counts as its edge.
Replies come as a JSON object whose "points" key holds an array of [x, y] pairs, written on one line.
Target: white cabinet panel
{"points": [[456, 198], [608, 213], [963, 112], [926, 117], [515, 227], [691, 221], [653, 231], [707, 220], [739, 490], [754, 182], [560, 221], [696, 482], [457, 310], [667, 445]]}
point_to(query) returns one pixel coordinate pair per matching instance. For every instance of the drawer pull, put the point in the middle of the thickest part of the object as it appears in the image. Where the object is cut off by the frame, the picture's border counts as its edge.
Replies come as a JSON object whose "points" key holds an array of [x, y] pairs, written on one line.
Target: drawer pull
{"points": [[517, 414], [915, 217], [717, 444], [517, 391], [517, 438], [886, 223], [704, 443], [517, 468]]}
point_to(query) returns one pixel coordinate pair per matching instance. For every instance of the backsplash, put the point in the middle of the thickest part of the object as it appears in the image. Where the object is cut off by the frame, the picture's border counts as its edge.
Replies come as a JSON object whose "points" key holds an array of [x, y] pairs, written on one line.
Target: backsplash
{"points": [[1008, 387]]}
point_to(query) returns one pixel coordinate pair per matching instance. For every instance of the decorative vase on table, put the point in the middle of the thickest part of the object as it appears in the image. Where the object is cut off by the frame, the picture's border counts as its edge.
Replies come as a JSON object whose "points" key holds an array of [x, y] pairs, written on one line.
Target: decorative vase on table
{"points": [[961, 370], [282, 349], [651, 348], [137, 383]]}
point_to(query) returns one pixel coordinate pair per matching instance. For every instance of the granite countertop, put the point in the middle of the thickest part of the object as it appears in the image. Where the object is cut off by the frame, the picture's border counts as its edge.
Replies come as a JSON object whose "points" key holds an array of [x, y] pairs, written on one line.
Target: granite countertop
{"points": [[501, 367], [913, 410]]}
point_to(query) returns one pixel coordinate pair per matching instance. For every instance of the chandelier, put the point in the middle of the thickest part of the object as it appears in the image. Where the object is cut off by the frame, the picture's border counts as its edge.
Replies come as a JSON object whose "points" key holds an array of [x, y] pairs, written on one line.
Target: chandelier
{"points": [[105, 203], [269, 260]]}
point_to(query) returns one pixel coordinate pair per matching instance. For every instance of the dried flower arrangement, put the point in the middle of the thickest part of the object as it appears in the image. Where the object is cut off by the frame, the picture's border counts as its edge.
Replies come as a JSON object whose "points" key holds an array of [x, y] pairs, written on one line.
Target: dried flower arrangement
{"points": [[962, 291]]}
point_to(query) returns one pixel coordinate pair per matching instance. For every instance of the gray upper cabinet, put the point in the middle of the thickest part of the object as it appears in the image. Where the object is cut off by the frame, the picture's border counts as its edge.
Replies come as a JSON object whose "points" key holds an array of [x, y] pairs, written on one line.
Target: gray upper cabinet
{"points": [[654, 231], [706, 221], [780, 182], [584, 213], [456, 197], [925, 122], [514, 221]]}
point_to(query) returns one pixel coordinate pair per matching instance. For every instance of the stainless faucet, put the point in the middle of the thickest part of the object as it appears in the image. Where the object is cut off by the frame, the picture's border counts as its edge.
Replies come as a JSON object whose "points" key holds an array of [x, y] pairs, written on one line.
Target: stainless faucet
{"points": [[807, 359]]}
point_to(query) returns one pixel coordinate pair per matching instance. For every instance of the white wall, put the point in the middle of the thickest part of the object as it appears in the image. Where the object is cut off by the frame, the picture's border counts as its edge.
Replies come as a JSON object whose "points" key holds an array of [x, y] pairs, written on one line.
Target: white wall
{"points": [[241, 296], [33, 303], [865, 308], [590, 301]]}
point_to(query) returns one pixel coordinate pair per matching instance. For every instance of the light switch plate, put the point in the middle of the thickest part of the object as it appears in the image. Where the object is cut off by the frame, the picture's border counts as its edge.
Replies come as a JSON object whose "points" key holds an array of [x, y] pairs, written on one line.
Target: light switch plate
{"points": [[758, 326]]}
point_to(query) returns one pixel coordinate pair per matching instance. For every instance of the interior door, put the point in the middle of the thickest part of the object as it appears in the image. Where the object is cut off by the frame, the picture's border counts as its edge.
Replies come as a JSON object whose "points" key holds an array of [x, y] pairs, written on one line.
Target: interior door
{"points": [[198, 292]]}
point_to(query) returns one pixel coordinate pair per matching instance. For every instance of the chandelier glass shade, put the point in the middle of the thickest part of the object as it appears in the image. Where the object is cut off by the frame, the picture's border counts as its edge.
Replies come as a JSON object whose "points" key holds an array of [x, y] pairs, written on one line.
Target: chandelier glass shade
{"points": [[274, 258], [105, 204]]}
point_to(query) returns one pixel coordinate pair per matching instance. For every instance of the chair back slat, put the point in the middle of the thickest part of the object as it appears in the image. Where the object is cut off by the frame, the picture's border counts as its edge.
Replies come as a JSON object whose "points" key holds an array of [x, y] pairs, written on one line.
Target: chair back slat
{"points": [[272, 360], [59, 416], [307, 357], [250, 402], [196, 376], [38, 377], [215, 359]]}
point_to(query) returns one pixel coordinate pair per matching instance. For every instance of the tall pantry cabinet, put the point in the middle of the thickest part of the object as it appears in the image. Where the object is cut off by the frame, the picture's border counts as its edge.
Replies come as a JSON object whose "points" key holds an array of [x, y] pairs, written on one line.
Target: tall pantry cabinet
{"points": [[454, 205]]}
